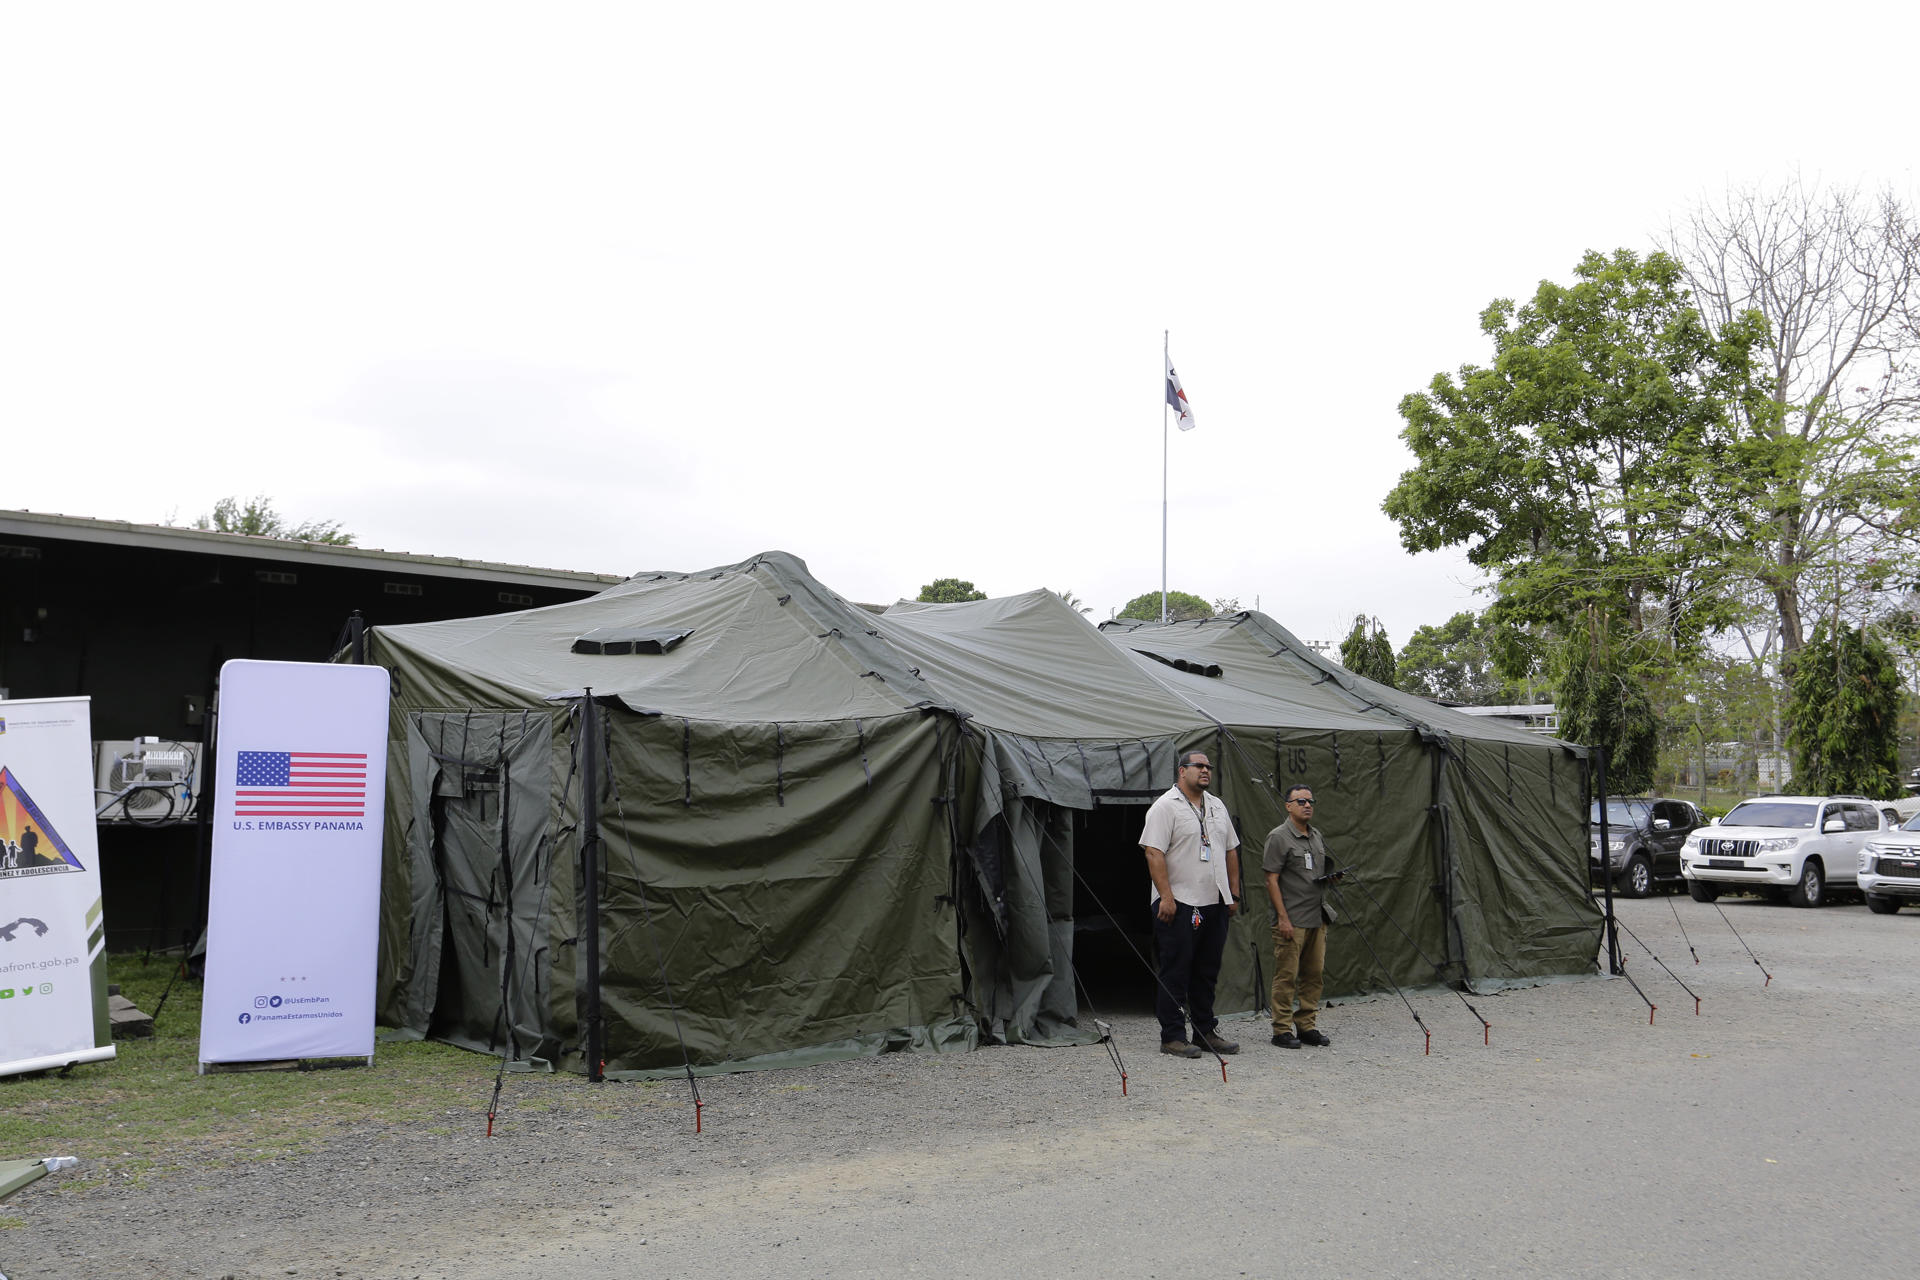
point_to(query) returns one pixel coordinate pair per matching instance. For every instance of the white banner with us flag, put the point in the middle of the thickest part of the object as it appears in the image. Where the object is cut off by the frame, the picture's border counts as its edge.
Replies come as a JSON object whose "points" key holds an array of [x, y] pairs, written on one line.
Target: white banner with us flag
{"points": [[294, 904]]}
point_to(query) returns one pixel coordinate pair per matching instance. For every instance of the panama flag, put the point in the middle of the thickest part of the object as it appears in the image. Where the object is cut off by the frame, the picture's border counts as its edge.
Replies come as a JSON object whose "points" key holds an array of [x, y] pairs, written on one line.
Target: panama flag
{"points": [[1177, 398]]}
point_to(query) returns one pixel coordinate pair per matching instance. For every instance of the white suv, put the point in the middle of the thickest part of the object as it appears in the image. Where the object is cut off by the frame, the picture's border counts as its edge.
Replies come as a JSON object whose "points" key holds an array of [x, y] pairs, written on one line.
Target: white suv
{"points": [[1790, 844], [1890, 868]]}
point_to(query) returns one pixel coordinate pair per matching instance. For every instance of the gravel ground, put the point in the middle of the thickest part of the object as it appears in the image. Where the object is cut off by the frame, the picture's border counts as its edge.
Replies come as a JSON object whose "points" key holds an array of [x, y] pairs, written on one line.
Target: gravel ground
{"points": [[1751, 1140]]}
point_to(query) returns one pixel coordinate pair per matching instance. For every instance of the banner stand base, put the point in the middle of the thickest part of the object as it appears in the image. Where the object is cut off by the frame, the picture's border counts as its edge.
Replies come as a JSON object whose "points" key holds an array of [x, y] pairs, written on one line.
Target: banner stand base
{"points": [[284, 1064], [59, 1061]]}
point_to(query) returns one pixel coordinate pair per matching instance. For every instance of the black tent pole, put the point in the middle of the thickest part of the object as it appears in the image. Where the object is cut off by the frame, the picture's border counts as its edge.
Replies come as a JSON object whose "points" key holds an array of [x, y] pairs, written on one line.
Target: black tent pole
{"points": [[206, 776], [590, 879], [1606, 862], [357, 638]]}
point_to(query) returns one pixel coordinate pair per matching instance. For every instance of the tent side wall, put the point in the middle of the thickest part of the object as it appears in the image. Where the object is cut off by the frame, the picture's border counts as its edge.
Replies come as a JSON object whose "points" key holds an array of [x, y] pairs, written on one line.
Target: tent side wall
{"points": [[1243, 778], [776, 894], [1517, 820], [1500, 846], [1373, 789]]}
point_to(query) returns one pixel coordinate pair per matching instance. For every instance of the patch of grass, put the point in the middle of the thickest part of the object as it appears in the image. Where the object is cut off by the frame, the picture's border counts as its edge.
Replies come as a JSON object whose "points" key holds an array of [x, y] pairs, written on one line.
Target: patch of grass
{"points": [[149, 1112]]}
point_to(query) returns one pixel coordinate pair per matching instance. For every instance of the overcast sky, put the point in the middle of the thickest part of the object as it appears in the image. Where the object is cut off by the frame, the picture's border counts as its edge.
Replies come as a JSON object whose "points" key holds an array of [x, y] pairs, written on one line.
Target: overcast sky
{"points": [[633, 286]]}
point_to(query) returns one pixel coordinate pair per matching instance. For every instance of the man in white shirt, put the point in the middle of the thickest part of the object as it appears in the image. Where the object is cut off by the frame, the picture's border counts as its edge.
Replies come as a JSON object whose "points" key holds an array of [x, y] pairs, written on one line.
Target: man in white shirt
{"points": [[1193, 855]]}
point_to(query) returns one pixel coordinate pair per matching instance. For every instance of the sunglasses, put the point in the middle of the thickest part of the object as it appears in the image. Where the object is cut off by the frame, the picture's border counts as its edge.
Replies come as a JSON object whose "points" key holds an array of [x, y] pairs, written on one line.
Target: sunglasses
{"points": [[1299, 802], [1200, 766]]}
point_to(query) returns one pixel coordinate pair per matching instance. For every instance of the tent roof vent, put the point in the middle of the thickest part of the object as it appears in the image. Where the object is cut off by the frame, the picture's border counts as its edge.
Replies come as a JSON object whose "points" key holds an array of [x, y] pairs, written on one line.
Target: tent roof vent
{"points": [[617, 640], [1211, 670]]}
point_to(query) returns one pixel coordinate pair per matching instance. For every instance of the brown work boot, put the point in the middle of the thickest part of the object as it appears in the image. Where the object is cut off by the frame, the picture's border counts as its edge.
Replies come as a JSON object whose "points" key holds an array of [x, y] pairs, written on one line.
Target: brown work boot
{"points": [[1213, 1042], [1179, 1049]]}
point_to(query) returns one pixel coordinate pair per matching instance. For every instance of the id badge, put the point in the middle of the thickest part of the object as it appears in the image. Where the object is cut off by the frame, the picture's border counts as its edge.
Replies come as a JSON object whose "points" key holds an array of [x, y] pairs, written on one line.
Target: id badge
{"points": [[1206, 852], [1308, 855]]}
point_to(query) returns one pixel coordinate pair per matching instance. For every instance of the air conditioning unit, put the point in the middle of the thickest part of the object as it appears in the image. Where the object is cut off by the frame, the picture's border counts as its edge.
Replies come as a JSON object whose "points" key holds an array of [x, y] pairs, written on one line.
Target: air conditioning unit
{"points": [[166, 772]]}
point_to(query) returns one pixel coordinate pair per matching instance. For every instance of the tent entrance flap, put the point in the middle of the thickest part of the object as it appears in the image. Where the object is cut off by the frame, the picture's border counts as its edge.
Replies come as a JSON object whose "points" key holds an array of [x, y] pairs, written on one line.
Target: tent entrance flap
{"points": [[483, 780], [1021, 957]]}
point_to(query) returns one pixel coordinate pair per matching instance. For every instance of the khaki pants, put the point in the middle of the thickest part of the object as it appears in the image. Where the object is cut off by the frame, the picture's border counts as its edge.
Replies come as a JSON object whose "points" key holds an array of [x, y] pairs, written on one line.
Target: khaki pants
{"points": [[1299, 965]]}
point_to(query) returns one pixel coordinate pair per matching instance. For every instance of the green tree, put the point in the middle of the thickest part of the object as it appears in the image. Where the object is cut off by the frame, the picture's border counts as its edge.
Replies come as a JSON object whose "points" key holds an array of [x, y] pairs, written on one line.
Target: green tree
{"points": [[1454, 662], [257, 516], [949, 591], [1831, 442], [1844, 703], [1181, 607], [1073, 602], [1367, 652], [1603, 703], [1714, 703], [1572, 467]]}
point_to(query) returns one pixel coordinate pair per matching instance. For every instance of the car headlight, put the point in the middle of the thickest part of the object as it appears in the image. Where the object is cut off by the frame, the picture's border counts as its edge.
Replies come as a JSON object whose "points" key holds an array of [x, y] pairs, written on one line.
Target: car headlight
{"points": [[1616, 845], [1779, 844], [1866, 860], [1693, 840]]}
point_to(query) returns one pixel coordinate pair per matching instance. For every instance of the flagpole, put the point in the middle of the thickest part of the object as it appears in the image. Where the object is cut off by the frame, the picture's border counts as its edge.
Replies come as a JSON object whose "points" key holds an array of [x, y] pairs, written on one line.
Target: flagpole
{"points": [[1166, 356]]}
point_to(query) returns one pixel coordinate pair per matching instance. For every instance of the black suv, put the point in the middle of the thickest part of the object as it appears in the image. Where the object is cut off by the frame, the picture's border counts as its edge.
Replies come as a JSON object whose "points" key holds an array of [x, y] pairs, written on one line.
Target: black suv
{"points": [[1644, 836]]}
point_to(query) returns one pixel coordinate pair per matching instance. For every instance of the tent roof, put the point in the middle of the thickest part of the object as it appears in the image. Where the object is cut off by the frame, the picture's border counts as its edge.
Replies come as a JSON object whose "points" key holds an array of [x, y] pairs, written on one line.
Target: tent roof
{"points": [[764, 641], [1029, 665], [1266, 675]]}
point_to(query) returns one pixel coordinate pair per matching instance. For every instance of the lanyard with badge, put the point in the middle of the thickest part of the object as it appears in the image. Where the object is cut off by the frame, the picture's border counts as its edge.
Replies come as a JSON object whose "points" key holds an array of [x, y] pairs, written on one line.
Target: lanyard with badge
{"points": [[1200, 816], [1206, 847]]}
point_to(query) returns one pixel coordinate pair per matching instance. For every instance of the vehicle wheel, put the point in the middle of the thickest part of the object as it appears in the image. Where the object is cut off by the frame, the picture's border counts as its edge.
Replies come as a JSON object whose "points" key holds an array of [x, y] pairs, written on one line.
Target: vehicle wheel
{"points": [[1637, 880], [1812, 888], [1701, 891], [1881, 905]]}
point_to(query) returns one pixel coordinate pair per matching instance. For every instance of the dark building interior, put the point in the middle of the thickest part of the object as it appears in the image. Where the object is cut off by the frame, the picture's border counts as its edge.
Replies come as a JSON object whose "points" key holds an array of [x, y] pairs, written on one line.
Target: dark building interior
{"points": [[139, 619]]}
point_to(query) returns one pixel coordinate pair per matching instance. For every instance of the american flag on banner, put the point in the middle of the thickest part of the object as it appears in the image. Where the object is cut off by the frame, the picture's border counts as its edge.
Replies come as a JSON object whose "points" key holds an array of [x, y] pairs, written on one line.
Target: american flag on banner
{"points": [[300, 784]]}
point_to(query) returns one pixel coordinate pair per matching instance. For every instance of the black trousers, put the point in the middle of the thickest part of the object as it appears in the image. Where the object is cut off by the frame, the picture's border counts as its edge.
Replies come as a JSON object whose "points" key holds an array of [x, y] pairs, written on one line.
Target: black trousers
{"points": [[1189, 967]]}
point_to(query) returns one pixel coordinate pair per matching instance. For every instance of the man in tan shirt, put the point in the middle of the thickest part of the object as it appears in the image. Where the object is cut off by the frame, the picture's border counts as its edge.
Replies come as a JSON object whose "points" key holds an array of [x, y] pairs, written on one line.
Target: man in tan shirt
{"points": [[1295, 860]]}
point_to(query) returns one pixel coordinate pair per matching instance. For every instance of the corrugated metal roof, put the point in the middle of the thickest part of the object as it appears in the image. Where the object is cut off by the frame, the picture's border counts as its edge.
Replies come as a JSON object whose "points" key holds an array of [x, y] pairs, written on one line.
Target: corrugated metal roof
{"points": [[123, 533]]}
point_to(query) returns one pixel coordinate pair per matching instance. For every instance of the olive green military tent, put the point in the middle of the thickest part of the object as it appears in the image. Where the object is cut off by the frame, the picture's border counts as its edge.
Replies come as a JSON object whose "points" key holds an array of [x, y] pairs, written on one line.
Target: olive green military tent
{"points": [[727, 819]]}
